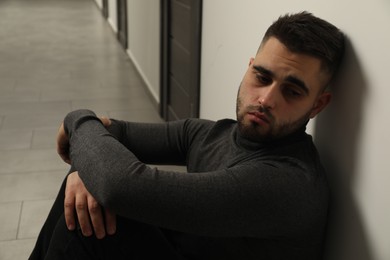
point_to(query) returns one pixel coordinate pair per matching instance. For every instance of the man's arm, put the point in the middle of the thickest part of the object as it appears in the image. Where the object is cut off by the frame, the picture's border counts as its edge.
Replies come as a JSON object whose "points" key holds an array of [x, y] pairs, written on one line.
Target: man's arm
{"points": [[63, 140], [89, 212], [78, 199], [79, 203], [247, 200], [152, 143]]}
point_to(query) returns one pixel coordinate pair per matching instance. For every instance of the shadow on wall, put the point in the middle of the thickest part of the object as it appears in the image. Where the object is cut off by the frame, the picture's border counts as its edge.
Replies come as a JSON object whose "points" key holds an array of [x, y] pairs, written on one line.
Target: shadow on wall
{"points": [[337, 132]]}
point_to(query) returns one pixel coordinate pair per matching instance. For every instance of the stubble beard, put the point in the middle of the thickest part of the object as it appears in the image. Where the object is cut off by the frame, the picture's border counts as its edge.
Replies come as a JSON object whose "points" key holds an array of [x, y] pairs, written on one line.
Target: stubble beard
{"points": [[257, 133]]}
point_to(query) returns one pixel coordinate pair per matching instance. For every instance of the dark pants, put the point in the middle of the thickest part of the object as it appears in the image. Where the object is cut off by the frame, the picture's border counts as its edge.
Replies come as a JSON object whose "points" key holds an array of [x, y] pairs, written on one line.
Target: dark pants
{"points": [[133, 240]]}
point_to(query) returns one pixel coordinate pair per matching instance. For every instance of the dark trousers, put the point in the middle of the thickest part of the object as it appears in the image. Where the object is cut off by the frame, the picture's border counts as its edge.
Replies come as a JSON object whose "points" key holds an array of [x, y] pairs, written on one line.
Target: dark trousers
{"points": [[133, 240]]}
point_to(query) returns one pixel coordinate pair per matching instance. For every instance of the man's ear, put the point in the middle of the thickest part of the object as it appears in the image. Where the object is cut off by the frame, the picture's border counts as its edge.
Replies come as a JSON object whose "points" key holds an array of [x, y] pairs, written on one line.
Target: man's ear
{"points": [[251, 60], [322, 101]]}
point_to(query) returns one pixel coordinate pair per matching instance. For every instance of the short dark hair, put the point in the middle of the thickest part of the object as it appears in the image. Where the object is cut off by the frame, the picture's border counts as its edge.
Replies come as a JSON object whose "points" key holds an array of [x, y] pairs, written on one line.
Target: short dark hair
{"points": [[306, 34]]}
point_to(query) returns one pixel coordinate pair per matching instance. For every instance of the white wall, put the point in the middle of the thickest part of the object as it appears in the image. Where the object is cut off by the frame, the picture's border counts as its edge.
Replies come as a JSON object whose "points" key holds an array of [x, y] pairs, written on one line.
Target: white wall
{"points": [[144, 41], [143, 25], [99, 3], [352, 133], [112, 15]]}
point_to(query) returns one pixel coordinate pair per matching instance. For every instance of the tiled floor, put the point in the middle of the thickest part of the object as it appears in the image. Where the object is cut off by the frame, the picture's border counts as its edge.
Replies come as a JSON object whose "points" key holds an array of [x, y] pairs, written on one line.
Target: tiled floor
{"points": [[55, 56]]}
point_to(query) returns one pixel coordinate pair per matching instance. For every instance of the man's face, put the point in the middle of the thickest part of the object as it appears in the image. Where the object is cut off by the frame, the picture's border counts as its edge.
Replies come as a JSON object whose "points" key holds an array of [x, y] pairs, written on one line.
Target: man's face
{"points": [[280, 92]]}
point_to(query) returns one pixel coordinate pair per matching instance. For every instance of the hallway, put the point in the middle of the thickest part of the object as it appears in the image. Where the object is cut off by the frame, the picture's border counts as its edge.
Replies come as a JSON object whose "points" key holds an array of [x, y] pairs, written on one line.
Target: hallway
{"points": [[55, 56]]}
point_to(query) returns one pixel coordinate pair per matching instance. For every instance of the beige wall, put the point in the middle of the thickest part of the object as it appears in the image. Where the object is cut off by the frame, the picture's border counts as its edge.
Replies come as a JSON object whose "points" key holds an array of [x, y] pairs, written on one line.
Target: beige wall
{"points": [[112, 15], [354, 130], [143, 18], [99, 3], [144, 41]]}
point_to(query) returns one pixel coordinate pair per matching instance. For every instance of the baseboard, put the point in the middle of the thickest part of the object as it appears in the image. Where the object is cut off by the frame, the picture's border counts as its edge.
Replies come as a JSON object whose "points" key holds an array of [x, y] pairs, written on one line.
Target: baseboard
{"points": [[149, 90], [112, 24], [154, 98]]}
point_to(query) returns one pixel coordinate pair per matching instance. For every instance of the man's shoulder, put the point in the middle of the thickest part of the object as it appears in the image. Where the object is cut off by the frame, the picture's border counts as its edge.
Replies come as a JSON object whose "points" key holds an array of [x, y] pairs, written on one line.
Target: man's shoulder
{"points": [[210, 121], [197, 123], [205, 130]]}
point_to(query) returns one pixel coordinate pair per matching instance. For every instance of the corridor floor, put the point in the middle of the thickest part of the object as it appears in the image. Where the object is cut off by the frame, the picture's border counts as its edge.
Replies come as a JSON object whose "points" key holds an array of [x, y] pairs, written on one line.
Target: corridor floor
{"points": [[55, 56]]}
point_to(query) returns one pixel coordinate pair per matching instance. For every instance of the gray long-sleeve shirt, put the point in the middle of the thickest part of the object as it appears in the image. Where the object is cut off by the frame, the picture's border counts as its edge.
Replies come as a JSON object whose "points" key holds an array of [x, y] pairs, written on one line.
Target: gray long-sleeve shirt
{"points": [[239, 199]]}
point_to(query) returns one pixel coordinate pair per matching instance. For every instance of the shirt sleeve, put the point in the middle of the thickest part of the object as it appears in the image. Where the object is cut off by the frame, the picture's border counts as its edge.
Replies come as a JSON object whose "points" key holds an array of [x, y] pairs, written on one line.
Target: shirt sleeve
{"points": [[152, 143], [225, 202]]}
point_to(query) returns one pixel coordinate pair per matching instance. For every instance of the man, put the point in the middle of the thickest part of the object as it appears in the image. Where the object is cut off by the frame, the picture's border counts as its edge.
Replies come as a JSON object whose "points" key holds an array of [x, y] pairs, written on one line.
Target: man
{"points": [[255, 188]]}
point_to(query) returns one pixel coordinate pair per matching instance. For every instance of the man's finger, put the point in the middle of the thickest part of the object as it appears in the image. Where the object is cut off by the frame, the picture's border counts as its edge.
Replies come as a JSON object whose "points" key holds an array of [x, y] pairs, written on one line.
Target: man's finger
{"points": [[83, 215], [105, 121], [64, 154], [110, 218], [63, 144], [95, 213], [69, 212]]}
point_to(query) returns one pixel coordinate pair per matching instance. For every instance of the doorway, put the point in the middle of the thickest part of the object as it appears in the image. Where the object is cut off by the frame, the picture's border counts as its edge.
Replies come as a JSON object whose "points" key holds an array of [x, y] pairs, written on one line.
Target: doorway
{"points": [[122, 22], [105, 8], [180, 58]]}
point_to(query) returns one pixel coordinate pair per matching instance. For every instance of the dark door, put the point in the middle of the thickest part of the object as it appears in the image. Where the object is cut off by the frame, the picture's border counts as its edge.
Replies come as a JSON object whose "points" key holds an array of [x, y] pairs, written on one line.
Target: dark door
{"points": [[180, 68], [122, 22], [105, 8]]}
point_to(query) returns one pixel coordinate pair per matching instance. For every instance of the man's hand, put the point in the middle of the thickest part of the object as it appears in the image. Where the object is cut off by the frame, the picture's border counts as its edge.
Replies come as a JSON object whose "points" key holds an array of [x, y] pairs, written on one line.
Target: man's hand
{"points": [[63, 144], [89, 212], [63, 140], [105, 121]]}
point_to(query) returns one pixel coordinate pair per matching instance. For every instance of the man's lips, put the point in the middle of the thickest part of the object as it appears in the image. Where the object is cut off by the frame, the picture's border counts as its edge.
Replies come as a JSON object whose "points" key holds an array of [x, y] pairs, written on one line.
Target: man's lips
{"points": [[259, 116]]}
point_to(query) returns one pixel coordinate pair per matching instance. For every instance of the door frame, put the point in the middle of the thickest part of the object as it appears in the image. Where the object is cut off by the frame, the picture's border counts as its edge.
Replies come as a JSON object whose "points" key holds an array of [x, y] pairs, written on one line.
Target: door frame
{"points": [[196, 29], [105, 8], [122, 34]]}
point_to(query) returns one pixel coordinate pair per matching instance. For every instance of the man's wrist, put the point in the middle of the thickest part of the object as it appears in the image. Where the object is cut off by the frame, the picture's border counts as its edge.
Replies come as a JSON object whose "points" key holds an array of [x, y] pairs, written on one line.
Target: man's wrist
{"points": [[75, 118]]}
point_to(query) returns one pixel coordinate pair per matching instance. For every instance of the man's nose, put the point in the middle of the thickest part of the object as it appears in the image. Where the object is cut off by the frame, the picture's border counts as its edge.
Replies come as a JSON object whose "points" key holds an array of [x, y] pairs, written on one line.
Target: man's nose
{"points": [[269, 96]]}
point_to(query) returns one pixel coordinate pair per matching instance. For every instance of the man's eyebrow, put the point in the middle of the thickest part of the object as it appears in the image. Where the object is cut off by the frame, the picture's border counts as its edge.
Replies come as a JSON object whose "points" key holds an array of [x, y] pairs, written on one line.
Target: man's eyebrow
{"points": [[291, 79], [297, 82], [263, 70]]}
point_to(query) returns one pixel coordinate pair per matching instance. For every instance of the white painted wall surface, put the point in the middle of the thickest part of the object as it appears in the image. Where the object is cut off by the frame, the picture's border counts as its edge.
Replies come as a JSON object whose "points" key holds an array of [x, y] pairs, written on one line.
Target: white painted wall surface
{"points": [[144, 41], [112, 15], [354, 129], [99, 3], [352, 133]]}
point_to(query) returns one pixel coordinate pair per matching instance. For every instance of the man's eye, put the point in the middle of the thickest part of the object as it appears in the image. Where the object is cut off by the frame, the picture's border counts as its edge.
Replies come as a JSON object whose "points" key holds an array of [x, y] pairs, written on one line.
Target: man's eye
{"points": [[262, 79], [291, 92]]}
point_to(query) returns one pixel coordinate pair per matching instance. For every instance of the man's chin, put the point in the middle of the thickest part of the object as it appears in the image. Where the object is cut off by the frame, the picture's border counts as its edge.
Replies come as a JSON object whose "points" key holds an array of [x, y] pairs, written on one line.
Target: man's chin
{"points": [[255, 132]]}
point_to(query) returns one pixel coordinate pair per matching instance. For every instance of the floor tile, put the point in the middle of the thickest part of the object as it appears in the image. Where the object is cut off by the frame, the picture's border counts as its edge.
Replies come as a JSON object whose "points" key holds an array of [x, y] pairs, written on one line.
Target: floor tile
{"points": [[137, 115], [30, 186], [34, 214], [15, 139], [7, 84], [44, 138], [110, 104], [21, 121], [9, 71], [48, 69], [52, 83], [41, 108], [84, 93], [20, 95], [24, 161], [16, 249], [9, 219]]}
